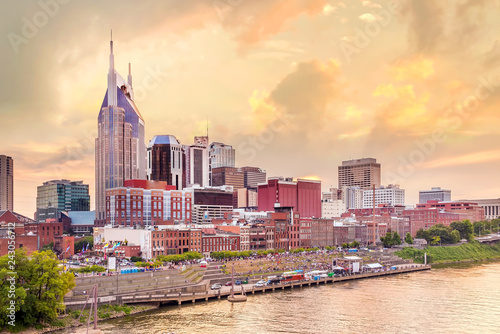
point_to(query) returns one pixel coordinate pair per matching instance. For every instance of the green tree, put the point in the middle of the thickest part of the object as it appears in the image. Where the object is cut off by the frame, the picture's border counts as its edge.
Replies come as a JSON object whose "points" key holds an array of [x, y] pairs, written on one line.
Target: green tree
{"points": [[83, 242], [387, 240], [47, 247], [436, 240], [424, 234], [463, 227], [396, 239], [40, 286], [478, 228], [345, 245], [408, 238], [354, 244], [455, 236]]}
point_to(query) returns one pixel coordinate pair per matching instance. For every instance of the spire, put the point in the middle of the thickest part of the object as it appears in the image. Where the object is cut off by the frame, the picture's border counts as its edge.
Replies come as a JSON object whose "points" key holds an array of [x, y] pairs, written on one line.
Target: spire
{"points": [[129, 78], [111, 75]]}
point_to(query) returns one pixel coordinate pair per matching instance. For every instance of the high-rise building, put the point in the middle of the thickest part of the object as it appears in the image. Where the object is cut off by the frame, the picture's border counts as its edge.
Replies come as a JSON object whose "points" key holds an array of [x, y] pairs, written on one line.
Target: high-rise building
{"points": [[196, 165], [253, 176], [6, 183], [363, 173], [435, 194], [391, 195], [120, 146], [56, 196], [166, 160], [228, 176], [220, 155]]}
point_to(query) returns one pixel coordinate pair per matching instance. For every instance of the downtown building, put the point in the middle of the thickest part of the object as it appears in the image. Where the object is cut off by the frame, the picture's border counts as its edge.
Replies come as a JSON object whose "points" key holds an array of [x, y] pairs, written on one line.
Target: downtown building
{"points": [[143, 203], [220, 155], [196, 164], [391, 195], [6, 183], [56, 196], [302, 196], [435, 194], [364, 173], [120, 148], [166, 161]]}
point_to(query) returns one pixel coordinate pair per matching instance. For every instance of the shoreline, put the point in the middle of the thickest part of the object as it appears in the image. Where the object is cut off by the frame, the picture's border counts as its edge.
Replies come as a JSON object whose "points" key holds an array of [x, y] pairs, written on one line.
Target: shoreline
{"points": [[464, 261]]}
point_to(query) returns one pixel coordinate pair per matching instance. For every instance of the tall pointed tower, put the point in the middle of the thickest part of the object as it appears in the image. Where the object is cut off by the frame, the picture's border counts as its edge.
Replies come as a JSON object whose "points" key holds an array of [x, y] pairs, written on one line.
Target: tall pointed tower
{"points": [[120, 148]]}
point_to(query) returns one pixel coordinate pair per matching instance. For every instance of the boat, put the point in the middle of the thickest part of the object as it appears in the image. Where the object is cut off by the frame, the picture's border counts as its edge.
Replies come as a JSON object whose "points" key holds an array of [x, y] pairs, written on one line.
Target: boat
{"points": [[236, 298]]}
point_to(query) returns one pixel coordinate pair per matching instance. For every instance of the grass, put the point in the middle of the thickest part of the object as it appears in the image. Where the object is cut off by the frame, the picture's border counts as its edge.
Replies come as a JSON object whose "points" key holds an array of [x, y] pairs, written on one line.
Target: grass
{"points": [[473, 251]]}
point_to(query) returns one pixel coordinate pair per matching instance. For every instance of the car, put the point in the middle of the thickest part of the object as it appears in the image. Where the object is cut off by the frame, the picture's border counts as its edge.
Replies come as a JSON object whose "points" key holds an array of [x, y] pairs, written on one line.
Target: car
{"points": [[260, 283], [216, 286], [228, 283], [238, 282]]}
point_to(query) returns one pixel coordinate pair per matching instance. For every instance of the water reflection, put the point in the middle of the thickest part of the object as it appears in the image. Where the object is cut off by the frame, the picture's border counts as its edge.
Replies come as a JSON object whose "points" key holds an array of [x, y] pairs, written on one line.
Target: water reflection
{"points": [[458, 299]]}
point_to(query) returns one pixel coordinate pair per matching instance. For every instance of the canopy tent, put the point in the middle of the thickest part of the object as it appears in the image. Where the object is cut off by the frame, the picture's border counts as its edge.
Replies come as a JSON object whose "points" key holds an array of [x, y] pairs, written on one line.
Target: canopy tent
{"points": [[374, 265], [352, 258]]}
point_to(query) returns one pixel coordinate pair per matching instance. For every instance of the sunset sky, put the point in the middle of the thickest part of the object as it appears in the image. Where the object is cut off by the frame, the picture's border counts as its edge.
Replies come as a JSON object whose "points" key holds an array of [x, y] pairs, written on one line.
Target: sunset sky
{"points": [[296, 86]]}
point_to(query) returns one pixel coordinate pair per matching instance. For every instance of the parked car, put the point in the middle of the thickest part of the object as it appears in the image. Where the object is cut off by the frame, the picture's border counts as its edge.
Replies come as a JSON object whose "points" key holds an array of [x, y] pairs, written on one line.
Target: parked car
{"points": [[228, 283], [238, 282], [216, 286]]}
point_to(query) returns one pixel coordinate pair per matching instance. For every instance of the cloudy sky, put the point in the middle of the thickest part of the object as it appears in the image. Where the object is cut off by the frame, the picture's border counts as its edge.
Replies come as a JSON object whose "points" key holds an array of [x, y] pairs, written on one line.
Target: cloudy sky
{"points": [[296, 86]]}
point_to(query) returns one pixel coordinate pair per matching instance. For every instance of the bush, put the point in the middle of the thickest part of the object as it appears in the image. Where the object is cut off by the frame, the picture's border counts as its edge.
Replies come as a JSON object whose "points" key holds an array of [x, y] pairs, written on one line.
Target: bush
{"points": [[135, 258]]}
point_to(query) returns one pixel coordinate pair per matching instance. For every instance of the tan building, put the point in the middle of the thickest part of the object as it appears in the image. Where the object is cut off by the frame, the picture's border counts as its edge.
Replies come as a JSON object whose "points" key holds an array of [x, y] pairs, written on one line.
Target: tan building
{"points": [[6, 183], [363, 173]]}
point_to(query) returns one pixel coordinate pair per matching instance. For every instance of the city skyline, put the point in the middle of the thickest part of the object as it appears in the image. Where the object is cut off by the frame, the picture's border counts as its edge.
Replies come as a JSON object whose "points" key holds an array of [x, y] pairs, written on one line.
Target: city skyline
{"points": [[295, 87]]}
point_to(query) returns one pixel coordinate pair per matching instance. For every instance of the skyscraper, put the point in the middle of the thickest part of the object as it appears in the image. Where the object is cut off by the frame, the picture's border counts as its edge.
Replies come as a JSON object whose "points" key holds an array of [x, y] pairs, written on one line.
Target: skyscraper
{"points": [[6, 183], [196, 168], [220, 155], [61, 195], [166, 160], [120, 146], [362, 173]]}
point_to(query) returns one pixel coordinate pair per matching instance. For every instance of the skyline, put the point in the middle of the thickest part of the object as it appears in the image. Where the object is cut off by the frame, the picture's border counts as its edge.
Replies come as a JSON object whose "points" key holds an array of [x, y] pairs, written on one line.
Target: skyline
{"points": [[298, 74]]}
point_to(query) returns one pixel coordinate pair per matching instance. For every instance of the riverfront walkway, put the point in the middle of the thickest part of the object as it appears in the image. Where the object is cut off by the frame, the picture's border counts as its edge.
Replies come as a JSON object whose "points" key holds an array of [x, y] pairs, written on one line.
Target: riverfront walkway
{"points": [[167, 297]]}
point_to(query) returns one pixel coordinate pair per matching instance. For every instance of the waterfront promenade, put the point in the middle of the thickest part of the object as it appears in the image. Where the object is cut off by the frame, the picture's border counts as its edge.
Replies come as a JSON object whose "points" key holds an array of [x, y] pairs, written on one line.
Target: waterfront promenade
{"points": [[162, 297]]}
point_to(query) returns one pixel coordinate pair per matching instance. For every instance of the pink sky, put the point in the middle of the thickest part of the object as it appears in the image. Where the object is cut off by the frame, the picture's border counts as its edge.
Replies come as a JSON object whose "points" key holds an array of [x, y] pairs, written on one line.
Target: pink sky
{"points": [[296, 86]]}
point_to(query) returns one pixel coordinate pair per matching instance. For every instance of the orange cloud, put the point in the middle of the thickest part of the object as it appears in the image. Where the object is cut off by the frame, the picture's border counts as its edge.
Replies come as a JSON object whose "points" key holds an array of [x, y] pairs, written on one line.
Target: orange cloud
{"points": [[417, 68]]}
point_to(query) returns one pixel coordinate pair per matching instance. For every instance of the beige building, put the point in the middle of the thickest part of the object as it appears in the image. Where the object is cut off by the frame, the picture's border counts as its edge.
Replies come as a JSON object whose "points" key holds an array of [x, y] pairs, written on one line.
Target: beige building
{"points": [[363, 173], [6, 183]]}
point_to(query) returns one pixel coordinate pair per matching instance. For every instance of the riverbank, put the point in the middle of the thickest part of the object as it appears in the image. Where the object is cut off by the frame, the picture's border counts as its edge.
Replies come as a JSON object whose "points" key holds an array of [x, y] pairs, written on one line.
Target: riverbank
{"points": [[70, 320], [469, 252]]}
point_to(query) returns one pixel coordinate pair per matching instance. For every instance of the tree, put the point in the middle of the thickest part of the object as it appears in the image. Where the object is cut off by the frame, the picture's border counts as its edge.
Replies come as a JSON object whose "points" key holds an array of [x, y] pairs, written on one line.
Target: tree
{"points": [[424, 234], [464, 228], [84, 242], [345, 245], [408, 238], [49, 246], [478, 228], [387, 240], [354, 244], [455, 236], [40, 286], [396, 239], [435, 240], [137, 258]]}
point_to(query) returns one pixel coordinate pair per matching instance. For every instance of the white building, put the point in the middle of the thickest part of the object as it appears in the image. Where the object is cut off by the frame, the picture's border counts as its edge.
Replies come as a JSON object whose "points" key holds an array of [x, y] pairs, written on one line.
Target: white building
{"points": [[391, 195], [332, 208], [353, 197], [435, 194]]}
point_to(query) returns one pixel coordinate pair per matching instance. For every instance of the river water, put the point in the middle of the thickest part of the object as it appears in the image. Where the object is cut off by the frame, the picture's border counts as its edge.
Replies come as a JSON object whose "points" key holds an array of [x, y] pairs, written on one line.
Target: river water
{"points": [[453, 299]]}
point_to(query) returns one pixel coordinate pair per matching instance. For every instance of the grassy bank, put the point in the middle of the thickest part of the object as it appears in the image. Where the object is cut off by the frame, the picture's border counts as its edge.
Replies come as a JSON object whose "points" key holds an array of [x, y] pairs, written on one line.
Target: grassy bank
{"points": [[473, 251]]}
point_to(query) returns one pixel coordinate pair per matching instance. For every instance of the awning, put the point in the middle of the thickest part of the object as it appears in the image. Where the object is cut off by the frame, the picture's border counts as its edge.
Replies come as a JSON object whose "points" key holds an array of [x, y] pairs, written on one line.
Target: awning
{"points": [[352, 258], [374, 265]]}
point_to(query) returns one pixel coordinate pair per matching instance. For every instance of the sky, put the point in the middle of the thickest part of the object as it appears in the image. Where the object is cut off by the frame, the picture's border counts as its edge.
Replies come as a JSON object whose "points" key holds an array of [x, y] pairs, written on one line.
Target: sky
{"points": [[295, 86]]}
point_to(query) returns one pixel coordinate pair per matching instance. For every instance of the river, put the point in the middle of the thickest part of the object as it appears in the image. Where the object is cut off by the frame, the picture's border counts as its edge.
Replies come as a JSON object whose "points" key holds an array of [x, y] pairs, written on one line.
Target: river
{"points": [[461, 298]]}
